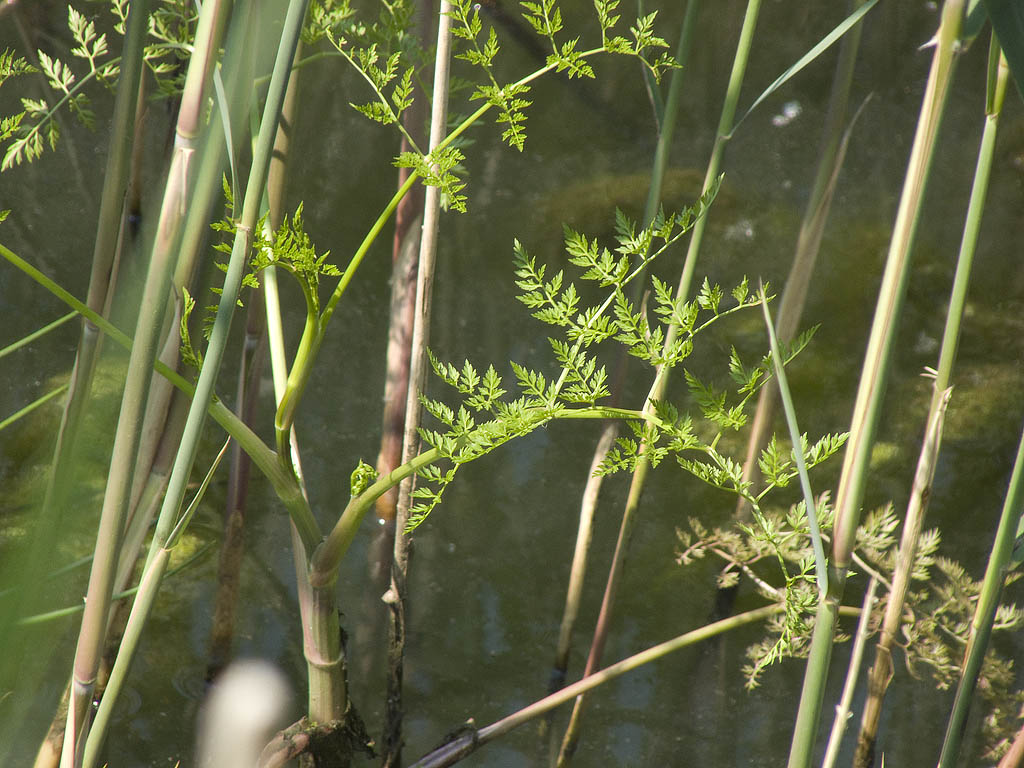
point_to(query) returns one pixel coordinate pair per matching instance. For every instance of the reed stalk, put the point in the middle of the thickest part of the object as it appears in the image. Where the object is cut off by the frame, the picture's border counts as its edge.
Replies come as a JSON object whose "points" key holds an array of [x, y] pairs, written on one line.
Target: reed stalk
{"points": [[408, 224], [1015, 756], [639, 478], [872, 383], [451, 753], [881, 672], [778, 366], [843, 713], [145, 595], [397, 596], [136, 390], [1002, 559]]}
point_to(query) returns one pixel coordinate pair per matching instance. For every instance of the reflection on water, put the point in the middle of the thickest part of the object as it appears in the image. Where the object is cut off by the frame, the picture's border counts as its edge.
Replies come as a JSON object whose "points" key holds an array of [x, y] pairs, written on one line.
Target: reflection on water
{"points": [[490, 568]]}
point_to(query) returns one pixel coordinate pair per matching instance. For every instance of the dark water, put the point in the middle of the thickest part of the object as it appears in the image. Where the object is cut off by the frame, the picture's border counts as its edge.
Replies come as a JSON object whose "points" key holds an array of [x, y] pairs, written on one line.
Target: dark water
{"points": [[490, 567]]}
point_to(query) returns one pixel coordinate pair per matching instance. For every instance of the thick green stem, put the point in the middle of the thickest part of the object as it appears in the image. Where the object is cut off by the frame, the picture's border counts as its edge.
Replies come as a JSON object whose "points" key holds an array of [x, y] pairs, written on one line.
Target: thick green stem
{"points": [[327, 558], [328, 696], [298, 378], [805, 730]]}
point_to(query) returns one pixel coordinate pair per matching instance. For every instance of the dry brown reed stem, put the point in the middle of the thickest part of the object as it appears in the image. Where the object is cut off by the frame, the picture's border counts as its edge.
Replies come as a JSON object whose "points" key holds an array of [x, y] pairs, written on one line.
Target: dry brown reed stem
{"points": [[1015, 757], [404, 253], [232, 548], [397, 596]]}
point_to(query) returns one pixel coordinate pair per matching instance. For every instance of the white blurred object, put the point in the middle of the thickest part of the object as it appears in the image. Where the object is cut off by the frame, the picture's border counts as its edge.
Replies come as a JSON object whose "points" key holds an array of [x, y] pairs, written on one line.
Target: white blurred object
{"points": [[242, 711], [791, 110]]}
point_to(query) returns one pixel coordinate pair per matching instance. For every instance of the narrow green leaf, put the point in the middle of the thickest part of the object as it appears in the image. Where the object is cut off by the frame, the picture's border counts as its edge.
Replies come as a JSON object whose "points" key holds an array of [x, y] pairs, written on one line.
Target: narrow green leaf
{"points": [[825, 43]]}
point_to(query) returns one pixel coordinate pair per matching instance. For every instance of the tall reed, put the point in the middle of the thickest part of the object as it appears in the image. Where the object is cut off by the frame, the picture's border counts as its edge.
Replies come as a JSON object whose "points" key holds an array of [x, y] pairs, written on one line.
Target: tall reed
{"points": [[872, 382], [151, 319], [913, 522]]}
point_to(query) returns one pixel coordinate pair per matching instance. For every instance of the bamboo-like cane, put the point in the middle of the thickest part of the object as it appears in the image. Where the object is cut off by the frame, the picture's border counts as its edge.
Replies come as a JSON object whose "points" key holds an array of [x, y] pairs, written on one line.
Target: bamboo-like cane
{"points": [[454, 751], [330, 693], [133, 404]]}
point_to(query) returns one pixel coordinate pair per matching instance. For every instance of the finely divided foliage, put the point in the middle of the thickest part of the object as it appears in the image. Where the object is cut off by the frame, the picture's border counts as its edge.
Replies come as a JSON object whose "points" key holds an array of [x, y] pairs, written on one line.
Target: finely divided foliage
{"points": [[484, 420], [660, 330], [942, 606], [290, 249], [390, 67], [171, 30]]}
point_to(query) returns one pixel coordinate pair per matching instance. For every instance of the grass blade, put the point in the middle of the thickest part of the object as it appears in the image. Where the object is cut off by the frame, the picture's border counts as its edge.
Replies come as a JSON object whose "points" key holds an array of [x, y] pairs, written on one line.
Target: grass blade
{"points": [[823, 45]]}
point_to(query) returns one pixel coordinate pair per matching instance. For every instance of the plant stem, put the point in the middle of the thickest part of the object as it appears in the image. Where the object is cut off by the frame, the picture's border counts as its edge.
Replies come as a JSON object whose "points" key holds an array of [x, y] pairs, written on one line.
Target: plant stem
{"points": [[882, 670], [820, 565], [404, 252], [398, 596], [454, 751], [873, 378], [999, 564], [850, 686], [328, 555], [218, 338], [639, 478]]}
